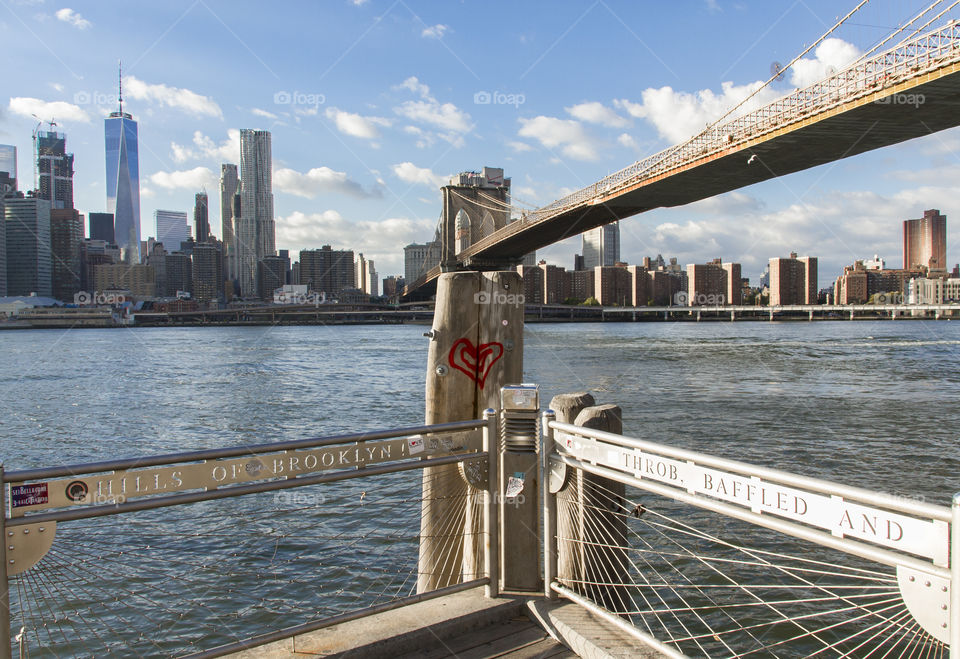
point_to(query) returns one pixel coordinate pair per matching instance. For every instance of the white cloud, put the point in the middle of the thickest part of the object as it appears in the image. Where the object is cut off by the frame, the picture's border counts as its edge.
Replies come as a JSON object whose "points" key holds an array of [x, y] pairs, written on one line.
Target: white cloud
{"points": [[68, 15], [434, 31], [257, 112], [597, 113], [47, 110], [205, 147], [678, 115], [377, 240], [626, 139], [447, 117], [57, 86], [319, 180], [191, 179], [172, 97], [410, 173], [565, 134], [359, 3], [519, 147], [356, 125], [829, 57]]}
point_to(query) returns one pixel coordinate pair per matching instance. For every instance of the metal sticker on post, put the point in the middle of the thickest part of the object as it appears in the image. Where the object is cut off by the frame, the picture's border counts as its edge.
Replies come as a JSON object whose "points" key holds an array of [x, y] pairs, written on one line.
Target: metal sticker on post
{"points": [[415, 445], [28, 495], [514, 486]]}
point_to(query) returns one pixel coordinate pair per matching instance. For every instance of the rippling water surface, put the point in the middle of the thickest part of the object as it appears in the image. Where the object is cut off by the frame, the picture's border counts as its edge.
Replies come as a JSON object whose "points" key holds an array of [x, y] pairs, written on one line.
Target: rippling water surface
{"points": [[868, 403]]}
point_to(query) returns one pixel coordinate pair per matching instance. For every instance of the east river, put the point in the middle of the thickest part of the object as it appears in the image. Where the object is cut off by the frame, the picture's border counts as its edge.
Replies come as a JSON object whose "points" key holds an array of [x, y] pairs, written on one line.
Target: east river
{"points": [[871, 403]]}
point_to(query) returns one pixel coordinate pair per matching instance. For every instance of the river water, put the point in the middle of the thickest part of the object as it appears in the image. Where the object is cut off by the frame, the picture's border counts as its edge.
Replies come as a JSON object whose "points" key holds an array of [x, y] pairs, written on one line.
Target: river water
{"points": [[871, 403]]}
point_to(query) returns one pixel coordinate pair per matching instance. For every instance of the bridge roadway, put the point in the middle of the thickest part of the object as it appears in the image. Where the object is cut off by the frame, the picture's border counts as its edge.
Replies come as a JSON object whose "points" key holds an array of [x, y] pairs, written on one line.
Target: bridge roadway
{"points": [[897, 96]]}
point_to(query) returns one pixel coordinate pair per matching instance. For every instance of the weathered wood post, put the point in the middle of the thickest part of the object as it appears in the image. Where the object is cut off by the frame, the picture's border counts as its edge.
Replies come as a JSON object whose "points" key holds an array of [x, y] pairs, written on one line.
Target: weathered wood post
{"points": [[605, 527], [476, 347], [590, 525]]}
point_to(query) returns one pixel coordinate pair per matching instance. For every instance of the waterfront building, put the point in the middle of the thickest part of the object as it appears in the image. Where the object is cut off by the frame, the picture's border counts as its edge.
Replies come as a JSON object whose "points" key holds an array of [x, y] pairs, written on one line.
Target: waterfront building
{"points": [[664, 286], [123, 180], [256, 230], [271, 275], [393, 286], [639, 283], [793, 280], [55, 170], [285, 255], [179, 274], [327, 270], [556, 283], [94, 253], [581, 284], [925, 242], [172, 228], [157, 259], [418, 259], [201, 217], [101, 227], [938, 290], [140, 280], [601, 246], [207, 272], [27, 233], [714, 283], [66, 234], [8, 169], [612, 285], [857, 284], [876, 263], [532, 283], [229, 185]]}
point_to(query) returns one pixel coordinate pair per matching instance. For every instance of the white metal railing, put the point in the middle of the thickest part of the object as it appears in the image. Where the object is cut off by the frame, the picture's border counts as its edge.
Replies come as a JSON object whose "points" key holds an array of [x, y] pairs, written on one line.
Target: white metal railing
{"points": [[920, 541]]}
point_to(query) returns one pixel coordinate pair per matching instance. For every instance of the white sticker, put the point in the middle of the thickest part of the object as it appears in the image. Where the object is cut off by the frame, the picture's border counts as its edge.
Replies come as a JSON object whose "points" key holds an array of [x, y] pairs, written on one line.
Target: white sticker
{"points": [[514, 486], [415, 445]]}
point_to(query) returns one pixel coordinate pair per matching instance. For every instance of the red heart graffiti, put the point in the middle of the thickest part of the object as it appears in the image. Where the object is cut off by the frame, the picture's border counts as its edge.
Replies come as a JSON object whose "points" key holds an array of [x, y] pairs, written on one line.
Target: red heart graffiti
{"points": [[475, 361]]}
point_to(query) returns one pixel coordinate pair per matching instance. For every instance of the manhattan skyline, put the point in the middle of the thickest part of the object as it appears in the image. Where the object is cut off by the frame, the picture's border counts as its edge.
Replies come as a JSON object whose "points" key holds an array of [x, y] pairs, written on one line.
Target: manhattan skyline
{"points": [[395, 99]]}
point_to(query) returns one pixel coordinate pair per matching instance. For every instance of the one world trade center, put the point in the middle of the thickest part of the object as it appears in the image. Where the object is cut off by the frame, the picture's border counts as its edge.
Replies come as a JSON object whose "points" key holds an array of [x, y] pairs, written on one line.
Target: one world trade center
{"points": [[123, 180]]}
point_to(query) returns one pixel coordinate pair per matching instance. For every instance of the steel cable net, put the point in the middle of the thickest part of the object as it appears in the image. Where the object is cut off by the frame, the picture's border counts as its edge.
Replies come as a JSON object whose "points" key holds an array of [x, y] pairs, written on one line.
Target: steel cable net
{"points": [[185, 579], [713, 586]]}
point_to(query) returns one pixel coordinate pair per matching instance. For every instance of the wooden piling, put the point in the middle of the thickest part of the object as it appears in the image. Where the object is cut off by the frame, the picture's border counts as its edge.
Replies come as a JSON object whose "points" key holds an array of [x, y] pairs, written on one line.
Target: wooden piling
{"points": [[476, 347]]}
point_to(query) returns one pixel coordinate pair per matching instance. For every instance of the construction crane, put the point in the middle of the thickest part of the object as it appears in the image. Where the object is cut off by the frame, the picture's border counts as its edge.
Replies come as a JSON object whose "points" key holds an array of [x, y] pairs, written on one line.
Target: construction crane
{"points": [[36, 149]]}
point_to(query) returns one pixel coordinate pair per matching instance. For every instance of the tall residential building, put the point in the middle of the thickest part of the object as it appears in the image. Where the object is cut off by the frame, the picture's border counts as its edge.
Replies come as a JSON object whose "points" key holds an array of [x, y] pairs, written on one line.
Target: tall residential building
{"points": [[27, 228], [366, 276], [207, 272], [601, 246], [271, 275], [172, 228], [101, 227], [66, 234], [123, 180], [55, 167], [714, 283], [419, 258], [92, 254], [793, 280], [179, 274], [139, 279], [925, 242], [229, 184], [327, 270], [201, 217], [256, 231], [8, 168]]}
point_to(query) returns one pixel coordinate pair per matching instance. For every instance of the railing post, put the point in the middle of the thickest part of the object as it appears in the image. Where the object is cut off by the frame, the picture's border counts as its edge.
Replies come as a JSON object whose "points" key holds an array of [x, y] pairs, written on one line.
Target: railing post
{"points": [[955, 579], [549, 503], [491, 519], [4, 583]]}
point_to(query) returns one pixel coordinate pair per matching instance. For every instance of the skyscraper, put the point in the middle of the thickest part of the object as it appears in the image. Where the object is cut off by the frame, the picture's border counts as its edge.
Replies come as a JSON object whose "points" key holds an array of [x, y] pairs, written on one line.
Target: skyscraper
{"points": [[55, 167], [27, 228], [925, 241], [172, 228], [256, 231], [601, 246], [229, 184], [123, 180], [66, 234], [201, 217], [8, 168], [101, 227]]}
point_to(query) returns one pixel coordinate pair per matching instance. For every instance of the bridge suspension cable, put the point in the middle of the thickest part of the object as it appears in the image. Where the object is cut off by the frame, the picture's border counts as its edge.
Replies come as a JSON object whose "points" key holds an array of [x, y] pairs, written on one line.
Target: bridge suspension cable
{"points": [[903, 27]]}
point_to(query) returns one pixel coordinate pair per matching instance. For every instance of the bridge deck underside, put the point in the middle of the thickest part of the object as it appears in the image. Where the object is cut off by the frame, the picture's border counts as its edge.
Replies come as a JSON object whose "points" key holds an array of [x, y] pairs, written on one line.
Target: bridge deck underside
{"points": [[847, 130]]}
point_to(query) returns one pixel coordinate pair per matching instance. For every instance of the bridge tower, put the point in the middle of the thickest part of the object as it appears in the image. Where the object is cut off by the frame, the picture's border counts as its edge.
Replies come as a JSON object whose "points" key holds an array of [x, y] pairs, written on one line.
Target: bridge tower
{"points": [[475, 204]]}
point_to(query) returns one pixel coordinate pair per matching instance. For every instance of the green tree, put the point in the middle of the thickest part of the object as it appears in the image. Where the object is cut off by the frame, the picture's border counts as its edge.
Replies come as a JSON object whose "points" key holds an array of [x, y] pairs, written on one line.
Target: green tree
{"points": [[591, 302]]}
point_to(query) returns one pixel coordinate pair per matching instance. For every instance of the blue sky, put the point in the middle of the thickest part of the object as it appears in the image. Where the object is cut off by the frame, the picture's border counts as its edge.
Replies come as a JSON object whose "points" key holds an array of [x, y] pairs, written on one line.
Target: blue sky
{"points": [[372, 104]]}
